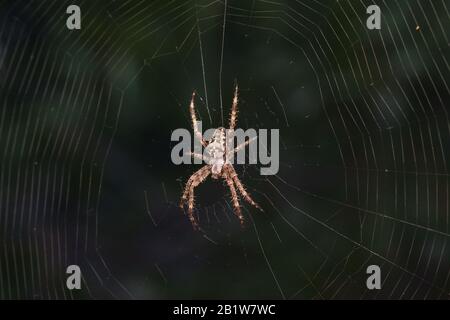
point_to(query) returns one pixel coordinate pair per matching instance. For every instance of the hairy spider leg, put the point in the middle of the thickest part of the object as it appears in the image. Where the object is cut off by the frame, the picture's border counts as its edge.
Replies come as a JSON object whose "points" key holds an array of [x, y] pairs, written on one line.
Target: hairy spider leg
{"points": [[241, 187], [198, 175], [199, 156], [234, 109], [194, 121], [234, 197], [240, 147], [195, 179]]}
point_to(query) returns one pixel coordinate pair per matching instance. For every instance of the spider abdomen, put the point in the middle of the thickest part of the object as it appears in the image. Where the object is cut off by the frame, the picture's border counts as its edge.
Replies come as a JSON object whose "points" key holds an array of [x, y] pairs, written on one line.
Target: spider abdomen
{"points": [[216, 152]]}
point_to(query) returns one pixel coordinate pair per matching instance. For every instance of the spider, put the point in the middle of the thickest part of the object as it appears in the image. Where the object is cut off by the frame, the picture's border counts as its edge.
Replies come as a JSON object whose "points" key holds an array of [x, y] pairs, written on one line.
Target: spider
{"points": [[217, 165]]}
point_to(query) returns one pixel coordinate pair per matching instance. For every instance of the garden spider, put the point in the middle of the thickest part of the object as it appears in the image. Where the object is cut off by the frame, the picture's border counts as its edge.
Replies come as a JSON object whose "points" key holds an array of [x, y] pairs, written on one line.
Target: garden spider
{"points": [[217, 165]]}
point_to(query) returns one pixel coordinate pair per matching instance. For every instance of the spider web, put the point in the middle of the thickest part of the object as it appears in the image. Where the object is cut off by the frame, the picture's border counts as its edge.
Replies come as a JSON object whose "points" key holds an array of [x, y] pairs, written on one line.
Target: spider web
{"points": [[86, 176]]}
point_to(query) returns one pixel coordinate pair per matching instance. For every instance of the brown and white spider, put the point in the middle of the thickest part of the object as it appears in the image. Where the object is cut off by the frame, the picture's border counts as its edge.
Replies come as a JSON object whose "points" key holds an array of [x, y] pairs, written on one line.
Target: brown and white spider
{"points": [[218, 165]]}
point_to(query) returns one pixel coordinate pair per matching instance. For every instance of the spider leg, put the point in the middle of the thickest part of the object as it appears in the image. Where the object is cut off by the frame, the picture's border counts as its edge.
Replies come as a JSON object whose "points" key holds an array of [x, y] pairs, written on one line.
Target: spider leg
{"points": [[241, 146], [234, 197], [199, 156], [188, 194], [194, 121], [195, 176], [234, 111], [241, 188]]}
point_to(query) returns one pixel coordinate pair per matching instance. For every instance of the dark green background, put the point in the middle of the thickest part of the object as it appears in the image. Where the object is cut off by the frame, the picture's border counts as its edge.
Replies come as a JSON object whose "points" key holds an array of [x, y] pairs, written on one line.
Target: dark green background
{"points": [[85, 125]]}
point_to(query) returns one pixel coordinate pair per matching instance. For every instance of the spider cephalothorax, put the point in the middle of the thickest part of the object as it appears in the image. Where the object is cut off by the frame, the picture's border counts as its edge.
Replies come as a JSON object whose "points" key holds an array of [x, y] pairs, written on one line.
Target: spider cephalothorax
{"points": [[217, 155]]}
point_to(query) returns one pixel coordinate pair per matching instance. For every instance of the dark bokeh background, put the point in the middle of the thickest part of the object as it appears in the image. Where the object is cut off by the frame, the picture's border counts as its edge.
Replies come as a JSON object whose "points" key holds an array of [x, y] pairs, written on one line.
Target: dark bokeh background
{"points": [[86, 176]]}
